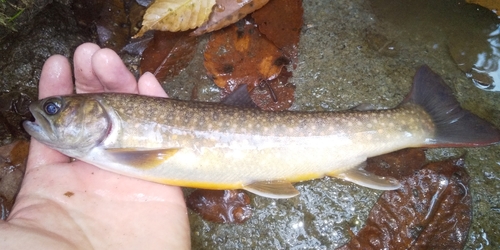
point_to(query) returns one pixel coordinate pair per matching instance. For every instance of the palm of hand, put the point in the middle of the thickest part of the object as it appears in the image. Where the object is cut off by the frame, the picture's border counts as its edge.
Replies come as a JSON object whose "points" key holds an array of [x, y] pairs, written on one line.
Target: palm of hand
{"points": [[74, 204]]}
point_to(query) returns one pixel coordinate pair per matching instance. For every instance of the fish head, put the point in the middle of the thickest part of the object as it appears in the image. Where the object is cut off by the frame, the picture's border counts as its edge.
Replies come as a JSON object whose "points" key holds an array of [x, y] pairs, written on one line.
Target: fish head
{"points": [[73, 125]]}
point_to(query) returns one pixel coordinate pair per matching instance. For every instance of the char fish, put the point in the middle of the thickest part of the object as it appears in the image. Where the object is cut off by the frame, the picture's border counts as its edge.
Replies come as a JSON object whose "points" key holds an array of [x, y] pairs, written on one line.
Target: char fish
{"points": [[216, 146]]}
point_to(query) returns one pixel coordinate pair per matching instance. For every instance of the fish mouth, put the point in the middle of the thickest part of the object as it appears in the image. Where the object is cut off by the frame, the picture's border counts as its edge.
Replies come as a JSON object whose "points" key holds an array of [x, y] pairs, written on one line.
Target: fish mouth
{"points": [[40, 128]]}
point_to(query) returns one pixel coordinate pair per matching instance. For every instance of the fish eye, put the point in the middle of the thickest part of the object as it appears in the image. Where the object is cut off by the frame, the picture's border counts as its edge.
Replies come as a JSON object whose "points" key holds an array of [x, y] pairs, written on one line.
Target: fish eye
{"points": [[52, 107]]}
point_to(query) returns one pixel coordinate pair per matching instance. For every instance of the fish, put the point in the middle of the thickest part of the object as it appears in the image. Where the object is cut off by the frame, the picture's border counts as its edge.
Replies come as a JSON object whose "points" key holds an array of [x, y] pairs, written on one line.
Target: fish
{"points": [[219, 146]]}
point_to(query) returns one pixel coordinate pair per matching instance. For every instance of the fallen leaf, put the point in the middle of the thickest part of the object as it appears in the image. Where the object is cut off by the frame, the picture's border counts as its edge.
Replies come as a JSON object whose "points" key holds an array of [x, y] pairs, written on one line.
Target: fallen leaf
{"points": [[239, 54], [175, 15], [168, 53], [112, 25], [281, 21], [136, 46], [381, 44], [228, 12], [432, 210], [221, 206], [398, 165], [276, 94], [114, 21], [12, 167]]}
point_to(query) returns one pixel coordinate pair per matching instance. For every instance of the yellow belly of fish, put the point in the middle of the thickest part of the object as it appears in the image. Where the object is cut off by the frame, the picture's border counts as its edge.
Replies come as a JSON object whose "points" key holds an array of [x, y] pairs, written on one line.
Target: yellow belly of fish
{"points": [[235, 166]]}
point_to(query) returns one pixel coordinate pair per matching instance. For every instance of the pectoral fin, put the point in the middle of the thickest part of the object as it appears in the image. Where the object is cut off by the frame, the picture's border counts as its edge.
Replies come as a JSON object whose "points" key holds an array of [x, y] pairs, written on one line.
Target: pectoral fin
{"points": [[272, 189], [141, 158], [367, 179]]}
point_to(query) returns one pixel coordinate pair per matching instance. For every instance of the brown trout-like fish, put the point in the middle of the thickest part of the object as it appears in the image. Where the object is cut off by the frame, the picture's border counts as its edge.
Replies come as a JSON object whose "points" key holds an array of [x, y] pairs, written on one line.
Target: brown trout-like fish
{"points": [[215, 146]]}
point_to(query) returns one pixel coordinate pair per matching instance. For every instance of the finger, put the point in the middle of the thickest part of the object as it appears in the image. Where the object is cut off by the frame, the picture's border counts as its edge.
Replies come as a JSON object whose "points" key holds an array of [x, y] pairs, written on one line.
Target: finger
{"points": [[54, 80], [112, 73], [148, 85], [85, 79]]}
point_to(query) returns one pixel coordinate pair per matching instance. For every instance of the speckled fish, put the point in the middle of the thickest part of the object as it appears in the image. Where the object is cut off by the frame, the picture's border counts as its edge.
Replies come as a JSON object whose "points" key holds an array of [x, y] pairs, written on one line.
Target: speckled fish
{"points": [[216, 146]]}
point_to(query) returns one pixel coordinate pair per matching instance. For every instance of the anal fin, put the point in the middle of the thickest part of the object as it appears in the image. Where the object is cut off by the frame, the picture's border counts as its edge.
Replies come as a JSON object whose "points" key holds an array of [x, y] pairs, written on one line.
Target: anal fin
{"points": [[141, 158], [275, 189], [367, 179]]}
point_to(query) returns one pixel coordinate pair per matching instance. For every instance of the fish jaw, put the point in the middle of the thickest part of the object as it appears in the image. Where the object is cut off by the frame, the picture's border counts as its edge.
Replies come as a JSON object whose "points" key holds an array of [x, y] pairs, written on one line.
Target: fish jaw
{"points": [[77, 125], [41, 129]]}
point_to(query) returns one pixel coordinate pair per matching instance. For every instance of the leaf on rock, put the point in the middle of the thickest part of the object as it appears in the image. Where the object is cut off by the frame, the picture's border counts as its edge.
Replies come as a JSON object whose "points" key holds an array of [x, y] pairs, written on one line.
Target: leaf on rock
{"points": [[221, 206], [113, 27], [228, 12], [432, 210], [280, 21], [398, 165], [115, 21], [176, 15], [239, 54], [276, 94], [168, 53], [12, 167]]}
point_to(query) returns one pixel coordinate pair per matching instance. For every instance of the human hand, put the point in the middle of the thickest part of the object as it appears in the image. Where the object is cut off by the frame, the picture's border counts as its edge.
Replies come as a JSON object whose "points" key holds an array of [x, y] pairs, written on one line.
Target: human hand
{"points": [[72, 204]]}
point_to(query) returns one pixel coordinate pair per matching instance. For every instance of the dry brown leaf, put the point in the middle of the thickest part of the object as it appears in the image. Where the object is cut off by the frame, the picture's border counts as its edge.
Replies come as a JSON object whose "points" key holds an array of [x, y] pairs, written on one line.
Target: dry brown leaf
{"points": [[228, 12], [12, 167], [280, 21], [176, 15], [398, 165], [432, 210], [168, 53], [240, 55]]}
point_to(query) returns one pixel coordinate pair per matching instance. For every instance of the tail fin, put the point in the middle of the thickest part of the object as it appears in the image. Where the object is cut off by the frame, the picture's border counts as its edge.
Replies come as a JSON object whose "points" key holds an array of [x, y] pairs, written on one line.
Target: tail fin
{"points": [[455, 126]]}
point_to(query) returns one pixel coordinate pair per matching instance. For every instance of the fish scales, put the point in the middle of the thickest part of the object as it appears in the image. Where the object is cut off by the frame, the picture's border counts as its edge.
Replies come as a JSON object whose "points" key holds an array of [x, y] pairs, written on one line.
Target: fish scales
{"points": [[194, 119], [225, 139], [215, 146]]}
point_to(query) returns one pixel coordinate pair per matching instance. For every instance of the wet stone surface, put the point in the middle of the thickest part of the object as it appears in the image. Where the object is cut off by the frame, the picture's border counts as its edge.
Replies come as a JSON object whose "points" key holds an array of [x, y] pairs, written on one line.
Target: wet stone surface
{"points": [[21, 59], [342, 63]]}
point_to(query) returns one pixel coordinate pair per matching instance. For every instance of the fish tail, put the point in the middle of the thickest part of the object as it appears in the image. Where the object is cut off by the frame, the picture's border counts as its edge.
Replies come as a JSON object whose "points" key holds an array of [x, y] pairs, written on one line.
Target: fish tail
{"points": [[455, 126]]}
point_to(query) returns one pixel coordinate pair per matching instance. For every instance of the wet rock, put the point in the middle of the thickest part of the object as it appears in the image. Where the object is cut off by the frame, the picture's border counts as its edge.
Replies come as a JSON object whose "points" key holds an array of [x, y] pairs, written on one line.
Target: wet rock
{"points": [[52, 31], [16, 15]]}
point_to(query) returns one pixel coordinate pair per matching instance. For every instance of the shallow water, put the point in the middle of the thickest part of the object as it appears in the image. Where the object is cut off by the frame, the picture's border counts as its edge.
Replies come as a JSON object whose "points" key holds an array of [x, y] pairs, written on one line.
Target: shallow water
{"points": [[351, 52], [354, 52]]}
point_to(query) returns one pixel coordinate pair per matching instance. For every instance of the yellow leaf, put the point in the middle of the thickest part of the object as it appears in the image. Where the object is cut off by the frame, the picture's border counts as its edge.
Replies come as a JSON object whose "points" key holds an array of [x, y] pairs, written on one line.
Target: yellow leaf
{"points": [[228, 12], [175, 15]]}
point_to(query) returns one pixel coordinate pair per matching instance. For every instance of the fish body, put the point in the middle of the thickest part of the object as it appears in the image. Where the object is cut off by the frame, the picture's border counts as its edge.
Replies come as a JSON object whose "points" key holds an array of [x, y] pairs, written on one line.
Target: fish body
{"points": [[216, 146]]}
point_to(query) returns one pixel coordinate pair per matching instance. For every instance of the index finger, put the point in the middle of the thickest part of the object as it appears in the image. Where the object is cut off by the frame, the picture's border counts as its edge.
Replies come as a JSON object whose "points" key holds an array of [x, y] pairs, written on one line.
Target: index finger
{"points": [[55, 78], [101, 70]]}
